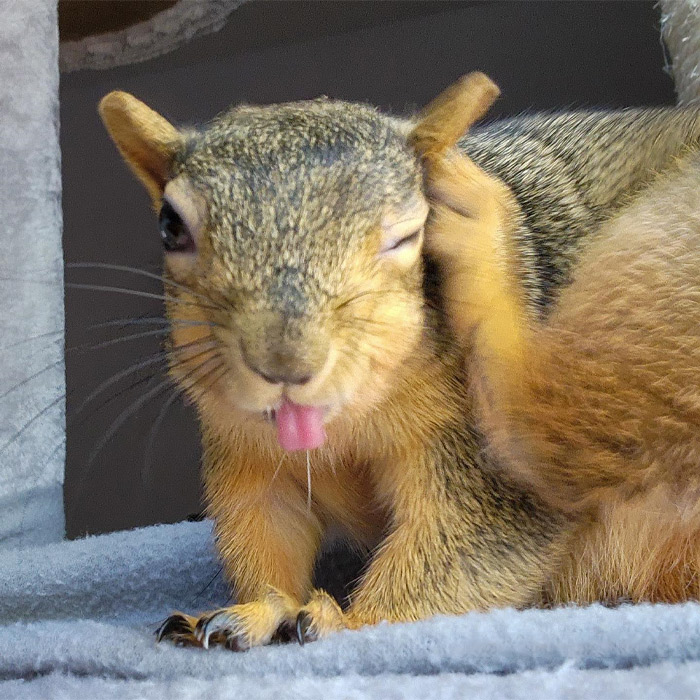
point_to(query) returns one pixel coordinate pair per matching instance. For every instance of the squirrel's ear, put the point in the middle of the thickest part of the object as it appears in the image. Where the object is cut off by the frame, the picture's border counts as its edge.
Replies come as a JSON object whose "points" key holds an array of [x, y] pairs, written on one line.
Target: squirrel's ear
{"points": [[147, 141], [448, 117]]}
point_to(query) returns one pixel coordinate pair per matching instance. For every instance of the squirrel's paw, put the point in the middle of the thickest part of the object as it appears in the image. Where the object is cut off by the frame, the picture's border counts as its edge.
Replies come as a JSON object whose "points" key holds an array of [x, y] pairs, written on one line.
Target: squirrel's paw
{"points": [[465, 201], [179, 629], [238, 627], [275, 618], [318, 618]]}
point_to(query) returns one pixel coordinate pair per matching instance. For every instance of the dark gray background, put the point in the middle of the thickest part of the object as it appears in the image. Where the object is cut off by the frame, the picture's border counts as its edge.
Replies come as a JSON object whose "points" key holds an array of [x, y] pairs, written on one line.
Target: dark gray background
{"points": [[397, 55]]}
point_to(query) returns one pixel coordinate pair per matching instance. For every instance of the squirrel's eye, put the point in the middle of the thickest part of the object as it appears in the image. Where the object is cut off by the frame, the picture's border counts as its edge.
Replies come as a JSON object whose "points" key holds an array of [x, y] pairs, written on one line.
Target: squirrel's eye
{"points": [[395, 244], [173, 231]]}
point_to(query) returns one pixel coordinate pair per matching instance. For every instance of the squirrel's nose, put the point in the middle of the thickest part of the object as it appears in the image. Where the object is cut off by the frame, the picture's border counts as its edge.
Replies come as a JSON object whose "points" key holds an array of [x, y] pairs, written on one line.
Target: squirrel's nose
{"points": [[288, 377], [282, 367], [283, 350]]}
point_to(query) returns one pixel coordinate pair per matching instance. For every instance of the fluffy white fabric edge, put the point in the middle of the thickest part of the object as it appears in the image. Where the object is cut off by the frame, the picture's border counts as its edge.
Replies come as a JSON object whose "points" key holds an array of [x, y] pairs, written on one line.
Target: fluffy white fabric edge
{"points": [[652, 683]]}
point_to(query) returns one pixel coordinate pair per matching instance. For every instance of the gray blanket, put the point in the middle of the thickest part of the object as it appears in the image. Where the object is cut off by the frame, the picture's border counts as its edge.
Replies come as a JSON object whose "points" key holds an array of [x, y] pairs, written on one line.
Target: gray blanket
{"points": [[78, 620]]}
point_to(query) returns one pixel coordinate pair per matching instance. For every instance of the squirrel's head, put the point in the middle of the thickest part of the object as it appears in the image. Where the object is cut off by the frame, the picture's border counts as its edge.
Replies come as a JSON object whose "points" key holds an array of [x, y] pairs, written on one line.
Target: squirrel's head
{"points": [[292, 241]]}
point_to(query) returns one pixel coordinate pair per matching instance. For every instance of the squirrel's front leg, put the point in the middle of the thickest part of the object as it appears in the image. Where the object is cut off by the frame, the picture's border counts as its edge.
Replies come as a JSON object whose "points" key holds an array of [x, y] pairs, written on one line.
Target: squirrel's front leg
{"points": [[268, 541], [460, 541], [423, 570], [412, 576]]}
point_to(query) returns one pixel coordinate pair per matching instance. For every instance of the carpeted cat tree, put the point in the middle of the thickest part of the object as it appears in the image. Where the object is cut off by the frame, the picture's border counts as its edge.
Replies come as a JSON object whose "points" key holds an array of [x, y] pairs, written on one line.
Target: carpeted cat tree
{"points": [[76, 618], [32, 422]]}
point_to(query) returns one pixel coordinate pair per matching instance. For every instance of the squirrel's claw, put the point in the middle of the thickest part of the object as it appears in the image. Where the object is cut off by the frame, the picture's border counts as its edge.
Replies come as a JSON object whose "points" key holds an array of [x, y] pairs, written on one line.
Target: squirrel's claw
{"points": [[219, 627], [303, 628], [176, 628], [272, 619]]}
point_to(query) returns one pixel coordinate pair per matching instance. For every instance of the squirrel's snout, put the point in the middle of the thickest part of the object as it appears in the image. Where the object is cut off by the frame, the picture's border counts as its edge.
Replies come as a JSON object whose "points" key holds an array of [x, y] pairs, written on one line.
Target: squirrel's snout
{"points": [[280, 354], [281, 376]]}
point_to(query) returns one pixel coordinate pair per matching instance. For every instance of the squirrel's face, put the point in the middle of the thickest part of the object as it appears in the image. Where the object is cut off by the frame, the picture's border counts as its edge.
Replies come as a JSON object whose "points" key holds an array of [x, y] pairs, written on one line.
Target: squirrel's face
{"points": [[292, 237]]}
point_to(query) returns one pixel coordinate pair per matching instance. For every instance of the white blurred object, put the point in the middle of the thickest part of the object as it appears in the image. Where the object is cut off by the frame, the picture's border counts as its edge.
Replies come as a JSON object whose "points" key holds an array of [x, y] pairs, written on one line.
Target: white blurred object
{"points": [[680, 30]]}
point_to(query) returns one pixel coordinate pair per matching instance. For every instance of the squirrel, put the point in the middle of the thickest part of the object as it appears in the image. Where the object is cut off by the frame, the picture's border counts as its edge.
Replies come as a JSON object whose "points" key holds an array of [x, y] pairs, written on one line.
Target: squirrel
{"points": [[315, 336]]}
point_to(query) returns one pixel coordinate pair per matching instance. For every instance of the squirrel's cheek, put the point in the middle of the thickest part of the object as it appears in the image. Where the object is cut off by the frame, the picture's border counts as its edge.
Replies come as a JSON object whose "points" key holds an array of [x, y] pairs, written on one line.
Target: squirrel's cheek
{"points": [[181, 265]]}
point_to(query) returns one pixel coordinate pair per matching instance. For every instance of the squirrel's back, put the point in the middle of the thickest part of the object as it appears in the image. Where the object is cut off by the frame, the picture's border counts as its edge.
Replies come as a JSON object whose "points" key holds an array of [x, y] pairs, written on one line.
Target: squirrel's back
{"points": [[595, 405], [570, 171]]}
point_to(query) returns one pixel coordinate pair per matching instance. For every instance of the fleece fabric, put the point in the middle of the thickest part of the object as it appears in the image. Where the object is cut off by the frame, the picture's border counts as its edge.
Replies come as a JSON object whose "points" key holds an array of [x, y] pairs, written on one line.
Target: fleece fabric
{"points": [[78, 621]]}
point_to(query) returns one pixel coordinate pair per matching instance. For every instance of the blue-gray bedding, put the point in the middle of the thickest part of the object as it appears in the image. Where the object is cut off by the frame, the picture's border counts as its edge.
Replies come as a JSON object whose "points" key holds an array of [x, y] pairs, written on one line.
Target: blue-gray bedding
{"points": [[78, 620]]}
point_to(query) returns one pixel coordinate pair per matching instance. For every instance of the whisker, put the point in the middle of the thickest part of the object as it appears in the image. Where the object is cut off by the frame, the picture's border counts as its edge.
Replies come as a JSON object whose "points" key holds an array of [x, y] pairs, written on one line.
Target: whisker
{"points": [[366, 293], [31, 421], [28, 379], [355, 346], [149, 321], [350, 323], [144, 273], [198, 383], [148, 454], [308, 481], [175, 361], [28, 340], [87, 347], [277, 470], [130, 410], [177, 393], [124, 321], [70, 422], [161, 356], [82, 478], [347, 302], [207, 585], [124, 416], [133, 292], [134, 336]]}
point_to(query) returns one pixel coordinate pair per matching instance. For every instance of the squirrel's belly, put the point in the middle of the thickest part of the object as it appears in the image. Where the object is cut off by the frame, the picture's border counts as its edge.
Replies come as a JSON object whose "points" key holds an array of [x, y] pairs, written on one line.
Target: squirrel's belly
{"points": [[640, 550]]}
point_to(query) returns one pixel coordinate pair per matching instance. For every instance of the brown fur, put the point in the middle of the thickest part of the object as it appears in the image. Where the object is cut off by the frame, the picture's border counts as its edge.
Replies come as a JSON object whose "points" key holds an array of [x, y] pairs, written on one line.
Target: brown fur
{"points": [[290, 206], [597, 408]]}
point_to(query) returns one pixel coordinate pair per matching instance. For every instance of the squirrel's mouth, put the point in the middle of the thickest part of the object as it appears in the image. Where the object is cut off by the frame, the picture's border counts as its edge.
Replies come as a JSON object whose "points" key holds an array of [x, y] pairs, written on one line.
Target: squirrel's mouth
{"points": [[299, 427]]}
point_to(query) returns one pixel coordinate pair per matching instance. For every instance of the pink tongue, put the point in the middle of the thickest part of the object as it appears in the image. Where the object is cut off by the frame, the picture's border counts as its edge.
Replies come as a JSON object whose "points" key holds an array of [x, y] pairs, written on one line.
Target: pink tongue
{"points": [[299, 427]]}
